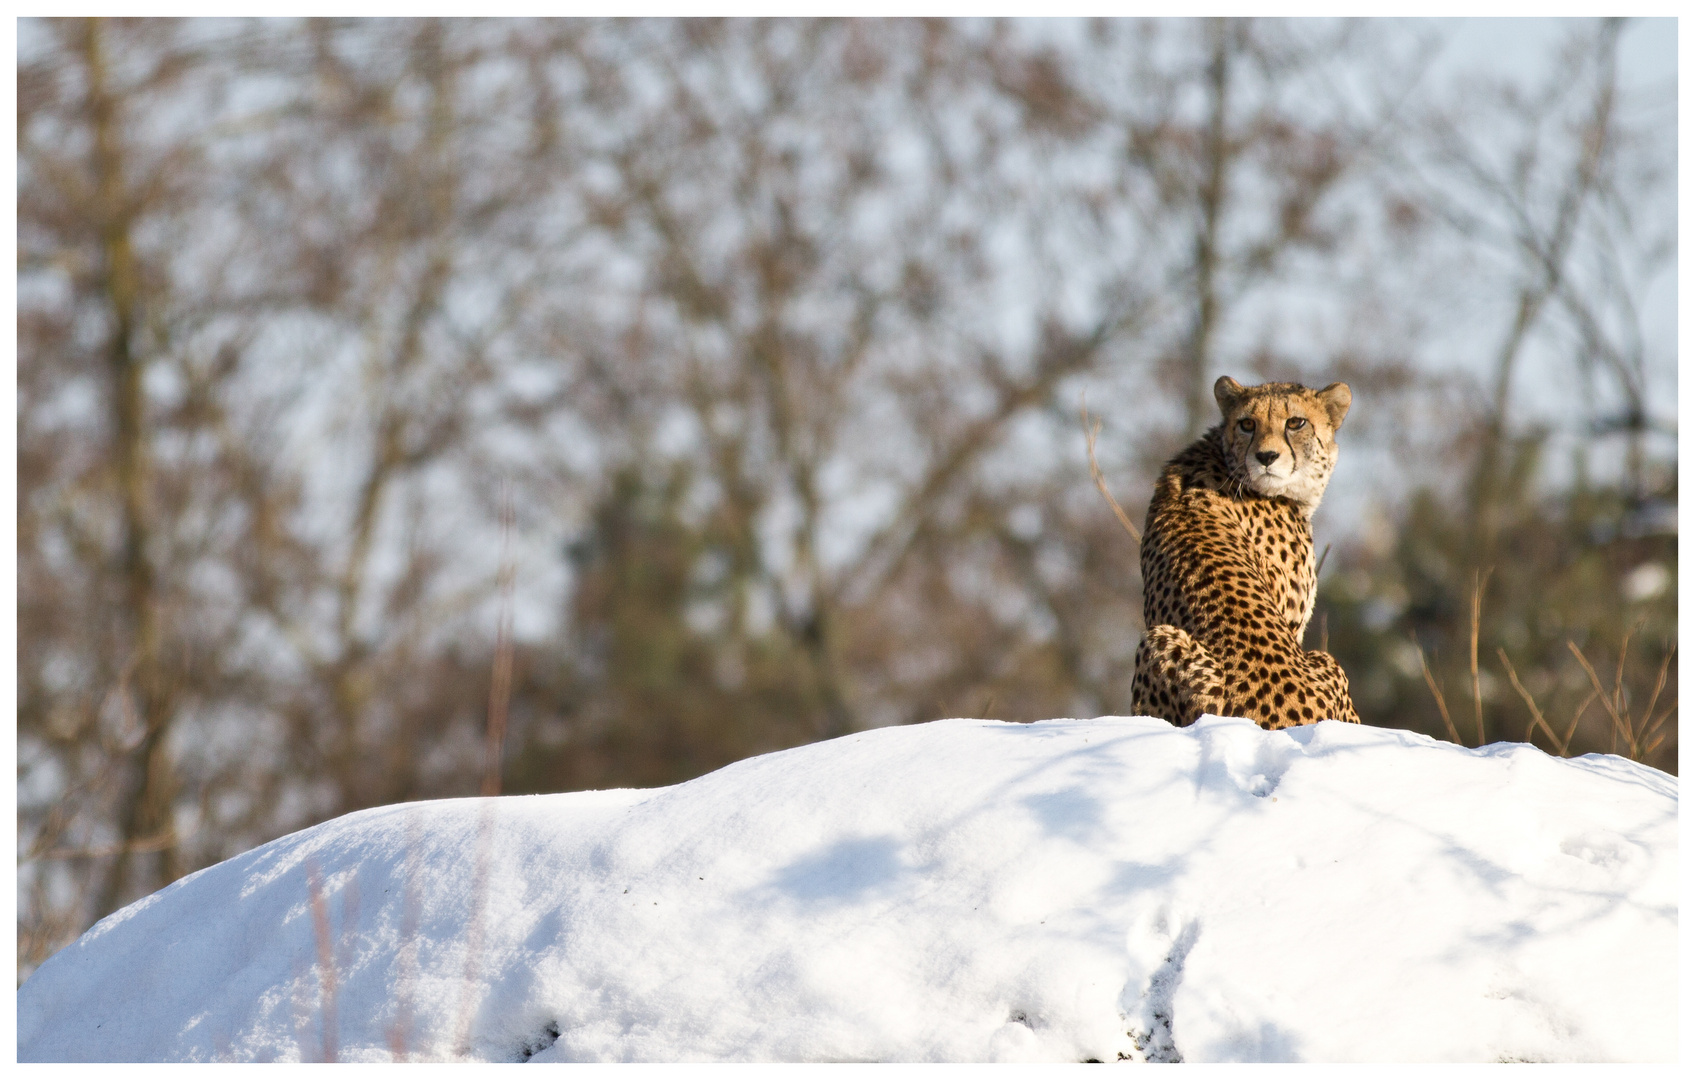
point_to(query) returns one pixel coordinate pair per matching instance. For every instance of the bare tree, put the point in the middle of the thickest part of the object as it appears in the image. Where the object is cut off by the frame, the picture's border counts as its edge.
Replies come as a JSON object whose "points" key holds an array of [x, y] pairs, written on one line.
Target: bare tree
{"points": [[108, 530], [775, 331], [231, 237], [1548, 205]]}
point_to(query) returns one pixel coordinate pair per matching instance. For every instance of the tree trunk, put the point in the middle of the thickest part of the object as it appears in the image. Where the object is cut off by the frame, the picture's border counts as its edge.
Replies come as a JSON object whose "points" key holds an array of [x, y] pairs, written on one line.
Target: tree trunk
{"points": [[147, 789]]}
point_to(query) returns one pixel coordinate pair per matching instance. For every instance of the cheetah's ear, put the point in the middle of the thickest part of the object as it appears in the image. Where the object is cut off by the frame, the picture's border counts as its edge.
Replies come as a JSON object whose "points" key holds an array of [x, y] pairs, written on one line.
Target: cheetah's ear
{"points": [[1228, 391], [1336, 398]]}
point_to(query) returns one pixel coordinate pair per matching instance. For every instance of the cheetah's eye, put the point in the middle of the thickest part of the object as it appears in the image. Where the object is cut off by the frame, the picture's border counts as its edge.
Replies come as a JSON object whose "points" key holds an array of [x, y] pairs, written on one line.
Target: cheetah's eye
{"points": [[1296, 423], [1246, 425]]}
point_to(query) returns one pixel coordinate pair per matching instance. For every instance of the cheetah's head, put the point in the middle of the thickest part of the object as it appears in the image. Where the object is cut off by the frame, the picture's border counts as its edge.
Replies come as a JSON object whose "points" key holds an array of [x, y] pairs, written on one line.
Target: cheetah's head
{"points": [[1280, 438]]}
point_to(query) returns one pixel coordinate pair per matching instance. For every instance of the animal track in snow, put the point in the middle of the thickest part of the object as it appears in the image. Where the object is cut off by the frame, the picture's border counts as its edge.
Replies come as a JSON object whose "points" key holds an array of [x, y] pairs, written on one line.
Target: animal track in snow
{"points": [[1015, 1041], [1152, 1014], [543, 1040], [1601, 848], [1240, 755]]}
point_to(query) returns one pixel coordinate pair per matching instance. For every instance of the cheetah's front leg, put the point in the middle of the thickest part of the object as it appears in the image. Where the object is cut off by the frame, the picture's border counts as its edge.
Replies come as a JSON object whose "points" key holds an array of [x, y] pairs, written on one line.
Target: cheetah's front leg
{"points": [[1176, 678]]}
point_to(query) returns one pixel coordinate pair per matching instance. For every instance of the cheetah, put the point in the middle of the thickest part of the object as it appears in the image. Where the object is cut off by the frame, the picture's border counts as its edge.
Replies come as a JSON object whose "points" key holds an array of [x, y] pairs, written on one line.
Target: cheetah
{"points": [[1228, 576]]}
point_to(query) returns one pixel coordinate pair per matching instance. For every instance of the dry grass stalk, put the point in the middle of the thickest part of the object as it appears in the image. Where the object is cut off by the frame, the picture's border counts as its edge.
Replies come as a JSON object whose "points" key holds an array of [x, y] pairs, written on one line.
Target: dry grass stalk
{"points": [[1562, 743], [1478, 583], [1618, 688], [326, 960], [406, 960], [1609, 702], [157, 842], [1652, 741], [1536, 716], [1571, 729], [1436, 692], [1090, 432], [499, 691], [474, 931], [500, 686], [1643, 737]]}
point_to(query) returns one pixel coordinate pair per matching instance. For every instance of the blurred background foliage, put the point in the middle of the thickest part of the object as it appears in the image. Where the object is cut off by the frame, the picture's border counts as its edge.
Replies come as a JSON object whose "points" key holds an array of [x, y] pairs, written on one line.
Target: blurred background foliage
{"points": [[772, 338]]}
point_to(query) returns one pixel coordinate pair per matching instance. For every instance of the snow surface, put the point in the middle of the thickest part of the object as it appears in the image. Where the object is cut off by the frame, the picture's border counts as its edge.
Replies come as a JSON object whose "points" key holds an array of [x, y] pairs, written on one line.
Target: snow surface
{"points": [[959, 890]]}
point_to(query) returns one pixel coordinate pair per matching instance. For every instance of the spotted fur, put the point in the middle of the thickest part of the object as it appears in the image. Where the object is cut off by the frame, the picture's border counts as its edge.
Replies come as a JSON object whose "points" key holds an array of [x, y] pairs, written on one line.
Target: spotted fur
{"points": [[1228, 575]]}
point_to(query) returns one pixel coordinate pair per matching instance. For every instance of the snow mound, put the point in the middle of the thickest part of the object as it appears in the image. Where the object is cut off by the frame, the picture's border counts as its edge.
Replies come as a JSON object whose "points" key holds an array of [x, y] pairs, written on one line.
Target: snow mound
{"points": [[959, 890]]}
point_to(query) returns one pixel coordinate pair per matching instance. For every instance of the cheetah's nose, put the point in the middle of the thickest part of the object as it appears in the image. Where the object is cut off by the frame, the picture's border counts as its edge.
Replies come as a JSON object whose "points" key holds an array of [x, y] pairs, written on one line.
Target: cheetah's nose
{"points": [[1266, 457]]}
